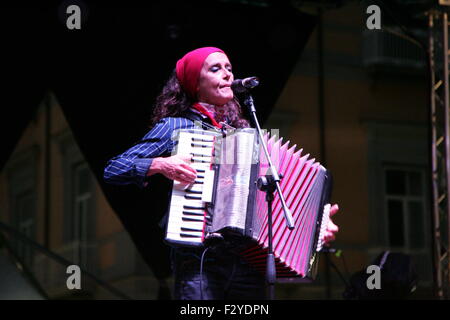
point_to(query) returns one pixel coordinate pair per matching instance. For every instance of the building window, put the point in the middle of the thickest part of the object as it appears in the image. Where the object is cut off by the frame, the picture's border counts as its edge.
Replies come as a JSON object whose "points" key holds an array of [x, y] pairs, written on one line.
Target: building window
{"points": [[79, 201], [24, 216], [80, 206], [399, 214], [21, 175], [404, 206]]}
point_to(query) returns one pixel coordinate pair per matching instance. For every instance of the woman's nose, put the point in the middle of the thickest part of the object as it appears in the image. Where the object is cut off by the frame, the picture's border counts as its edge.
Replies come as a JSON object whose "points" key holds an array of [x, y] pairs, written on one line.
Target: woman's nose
{"points": [[227, 74]]}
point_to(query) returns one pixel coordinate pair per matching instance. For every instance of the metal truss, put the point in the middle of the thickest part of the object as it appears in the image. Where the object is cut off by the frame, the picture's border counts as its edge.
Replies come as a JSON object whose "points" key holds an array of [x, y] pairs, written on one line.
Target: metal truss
{"points": [[440, 148]]}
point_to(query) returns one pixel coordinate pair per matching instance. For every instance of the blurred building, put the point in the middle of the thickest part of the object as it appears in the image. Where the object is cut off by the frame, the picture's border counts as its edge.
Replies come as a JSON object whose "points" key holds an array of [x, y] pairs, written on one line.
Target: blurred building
{"points": [[375, 138], [375, 142], [80, 224]]}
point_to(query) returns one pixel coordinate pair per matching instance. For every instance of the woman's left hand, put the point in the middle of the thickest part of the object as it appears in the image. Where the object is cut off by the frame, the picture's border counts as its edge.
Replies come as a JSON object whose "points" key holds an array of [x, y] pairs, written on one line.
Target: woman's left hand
{"points": [[332, 229]]}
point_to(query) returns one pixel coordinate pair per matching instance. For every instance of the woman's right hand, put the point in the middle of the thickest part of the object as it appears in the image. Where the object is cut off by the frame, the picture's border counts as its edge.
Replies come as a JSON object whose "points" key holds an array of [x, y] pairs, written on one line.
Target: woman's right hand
{"points": [[174, 168]]}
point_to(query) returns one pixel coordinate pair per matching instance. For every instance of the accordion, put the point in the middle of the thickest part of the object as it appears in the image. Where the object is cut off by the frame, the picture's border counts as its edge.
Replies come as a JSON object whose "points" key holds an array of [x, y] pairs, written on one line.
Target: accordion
{"points": [[224, 199]]}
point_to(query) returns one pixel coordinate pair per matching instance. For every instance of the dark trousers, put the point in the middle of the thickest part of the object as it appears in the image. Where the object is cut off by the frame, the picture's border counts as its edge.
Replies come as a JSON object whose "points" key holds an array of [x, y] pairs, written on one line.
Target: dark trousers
{"points": [[225, 276]]}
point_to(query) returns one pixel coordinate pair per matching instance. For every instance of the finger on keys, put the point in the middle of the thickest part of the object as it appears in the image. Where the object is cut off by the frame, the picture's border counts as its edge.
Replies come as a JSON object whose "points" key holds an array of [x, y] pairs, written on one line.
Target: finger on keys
{"points": [[190, 170], [189, 176], [334, 209], [186, 158], [328, 237], [332, 227]]}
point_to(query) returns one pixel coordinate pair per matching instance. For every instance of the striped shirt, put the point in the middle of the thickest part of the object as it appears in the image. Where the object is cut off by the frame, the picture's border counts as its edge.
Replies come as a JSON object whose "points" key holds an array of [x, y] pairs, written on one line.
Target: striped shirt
{"points": [[132, 165]]}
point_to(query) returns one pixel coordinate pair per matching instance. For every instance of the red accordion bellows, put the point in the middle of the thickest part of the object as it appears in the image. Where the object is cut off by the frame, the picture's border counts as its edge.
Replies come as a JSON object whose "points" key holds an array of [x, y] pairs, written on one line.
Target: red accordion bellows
{"points": [[302, 187]]}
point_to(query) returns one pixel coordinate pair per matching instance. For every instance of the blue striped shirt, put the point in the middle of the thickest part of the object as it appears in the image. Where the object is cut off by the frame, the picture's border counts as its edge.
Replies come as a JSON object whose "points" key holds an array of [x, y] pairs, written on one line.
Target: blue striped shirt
{"points": [[132, 165]]}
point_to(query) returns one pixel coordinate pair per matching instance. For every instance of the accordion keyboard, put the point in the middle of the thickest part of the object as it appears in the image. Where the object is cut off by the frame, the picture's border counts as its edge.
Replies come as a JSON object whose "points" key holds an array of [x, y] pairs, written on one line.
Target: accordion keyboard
{"points": [[188, 215]]}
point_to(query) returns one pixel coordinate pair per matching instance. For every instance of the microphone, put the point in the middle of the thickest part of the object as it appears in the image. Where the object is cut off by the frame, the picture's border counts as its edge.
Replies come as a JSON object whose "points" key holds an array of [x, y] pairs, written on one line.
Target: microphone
{"points": [[242, 85]]}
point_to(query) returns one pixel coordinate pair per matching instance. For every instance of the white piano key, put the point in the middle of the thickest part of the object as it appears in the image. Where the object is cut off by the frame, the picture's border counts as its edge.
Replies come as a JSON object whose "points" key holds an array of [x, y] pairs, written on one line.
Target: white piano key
{"points": [[179, 238], [176, 227], [179, 216], [190, 222], [208, 186]]}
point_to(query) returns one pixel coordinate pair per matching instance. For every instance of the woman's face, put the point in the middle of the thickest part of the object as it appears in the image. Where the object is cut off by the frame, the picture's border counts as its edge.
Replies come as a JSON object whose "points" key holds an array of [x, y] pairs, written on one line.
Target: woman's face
{"points": [[214, 83]]}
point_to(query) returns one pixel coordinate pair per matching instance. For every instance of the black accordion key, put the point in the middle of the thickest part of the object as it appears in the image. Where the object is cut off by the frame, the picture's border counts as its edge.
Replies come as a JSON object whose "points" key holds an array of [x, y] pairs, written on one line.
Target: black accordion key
{"points": [[192, 197], [194, 208], [191, 219], [193, 191], [188, 235], [199, 145], [191, 213], [191, 229]]}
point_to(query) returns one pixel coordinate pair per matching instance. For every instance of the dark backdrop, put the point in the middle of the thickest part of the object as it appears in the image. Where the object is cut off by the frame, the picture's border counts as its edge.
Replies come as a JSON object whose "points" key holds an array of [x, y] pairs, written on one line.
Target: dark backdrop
{"points": [[107, 75]]}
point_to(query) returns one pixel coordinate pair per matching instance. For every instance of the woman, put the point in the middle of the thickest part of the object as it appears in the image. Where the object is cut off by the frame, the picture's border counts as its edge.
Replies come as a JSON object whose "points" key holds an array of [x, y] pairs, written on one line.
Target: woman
{"points": [[199, 90]]}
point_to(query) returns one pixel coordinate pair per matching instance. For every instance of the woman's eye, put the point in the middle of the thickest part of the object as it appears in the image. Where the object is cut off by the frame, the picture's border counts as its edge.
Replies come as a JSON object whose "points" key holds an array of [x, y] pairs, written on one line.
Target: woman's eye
{"points": [[217, 68]]}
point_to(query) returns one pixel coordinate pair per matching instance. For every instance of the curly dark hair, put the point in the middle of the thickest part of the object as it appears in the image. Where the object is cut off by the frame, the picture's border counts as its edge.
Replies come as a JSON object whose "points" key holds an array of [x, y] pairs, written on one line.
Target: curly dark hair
{"points": [[173, 101]]}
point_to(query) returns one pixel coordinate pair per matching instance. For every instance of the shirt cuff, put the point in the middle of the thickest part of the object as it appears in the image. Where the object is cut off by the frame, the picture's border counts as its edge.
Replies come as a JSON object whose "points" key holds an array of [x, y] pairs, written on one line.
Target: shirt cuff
{"points": [[142, 166]]}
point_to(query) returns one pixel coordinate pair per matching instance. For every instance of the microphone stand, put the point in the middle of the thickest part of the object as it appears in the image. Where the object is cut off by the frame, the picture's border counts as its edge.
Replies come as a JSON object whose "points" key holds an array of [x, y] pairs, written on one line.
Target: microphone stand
{"points": [[269, 184]]}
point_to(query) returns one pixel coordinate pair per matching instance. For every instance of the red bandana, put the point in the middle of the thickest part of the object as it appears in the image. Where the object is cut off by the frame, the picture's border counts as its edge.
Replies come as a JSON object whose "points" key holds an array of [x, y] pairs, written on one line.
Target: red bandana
{"points": [[188, 68], [203, 110]]}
